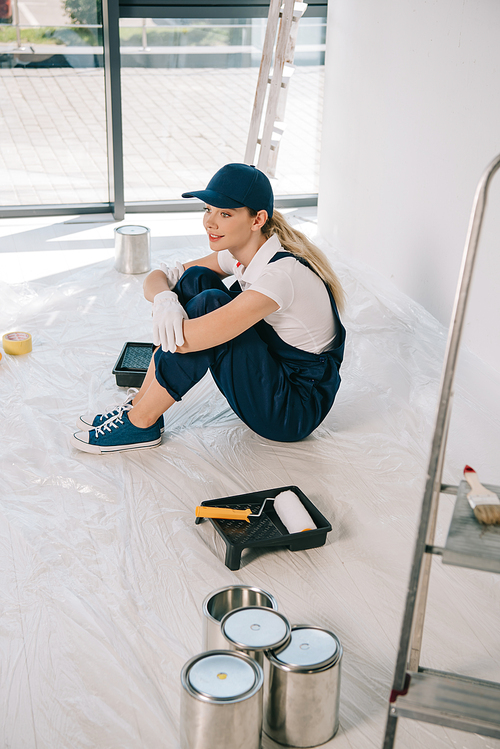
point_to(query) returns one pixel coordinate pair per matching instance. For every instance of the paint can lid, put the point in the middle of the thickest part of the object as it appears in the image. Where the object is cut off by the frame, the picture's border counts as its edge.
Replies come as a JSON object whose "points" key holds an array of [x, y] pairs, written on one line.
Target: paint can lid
{"points": [[220, 676], [255, 628], [309, 649], [132, 229]]}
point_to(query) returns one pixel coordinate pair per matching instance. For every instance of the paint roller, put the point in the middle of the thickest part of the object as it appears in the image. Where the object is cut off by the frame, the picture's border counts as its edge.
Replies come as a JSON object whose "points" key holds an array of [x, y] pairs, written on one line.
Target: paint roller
{"points": [[292, 513], [287, 506]]}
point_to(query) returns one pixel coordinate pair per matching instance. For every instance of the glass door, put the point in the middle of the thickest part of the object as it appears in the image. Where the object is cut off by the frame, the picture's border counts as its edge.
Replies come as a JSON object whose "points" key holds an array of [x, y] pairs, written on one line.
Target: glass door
{"points": [[52, 106]]}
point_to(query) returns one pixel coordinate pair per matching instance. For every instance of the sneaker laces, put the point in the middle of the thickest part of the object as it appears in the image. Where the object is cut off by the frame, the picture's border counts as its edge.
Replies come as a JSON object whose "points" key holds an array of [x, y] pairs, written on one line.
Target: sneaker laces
{"points": [[126, 405], [106, 427], [122, 408], [131, 392]]}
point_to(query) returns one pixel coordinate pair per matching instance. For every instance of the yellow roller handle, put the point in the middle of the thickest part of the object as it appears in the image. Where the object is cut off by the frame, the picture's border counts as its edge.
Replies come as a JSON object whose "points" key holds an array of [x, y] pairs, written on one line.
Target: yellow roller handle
{"points": [[223, 513]]}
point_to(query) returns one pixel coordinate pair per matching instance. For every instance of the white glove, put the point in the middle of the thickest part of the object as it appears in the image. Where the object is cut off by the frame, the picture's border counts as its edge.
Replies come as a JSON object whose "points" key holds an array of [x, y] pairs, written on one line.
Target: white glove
{"points": [[172, 274], [168, 314]]}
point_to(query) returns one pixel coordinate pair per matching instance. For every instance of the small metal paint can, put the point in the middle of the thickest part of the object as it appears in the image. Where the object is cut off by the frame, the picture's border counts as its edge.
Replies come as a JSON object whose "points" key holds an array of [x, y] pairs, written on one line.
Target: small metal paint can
{"points": [[220, 602], [253, 630], [302, 707], [132, 249], [221, 701]]}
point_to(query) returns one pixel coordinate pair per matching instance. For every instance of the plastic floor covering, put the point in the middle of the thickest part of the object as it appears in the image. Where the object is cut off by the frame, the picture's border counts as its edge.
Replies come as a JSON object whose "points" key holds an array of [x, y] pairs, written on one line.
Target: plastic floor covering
{"points": [[103, 569]]}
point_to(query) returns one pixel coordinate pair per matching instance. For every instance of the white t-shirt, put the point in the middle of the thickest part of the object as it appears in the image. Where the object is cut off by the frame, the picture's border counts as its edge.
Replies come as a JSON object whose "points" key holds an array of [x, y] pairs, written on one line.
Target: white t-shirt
{"points": [[304, 318]]}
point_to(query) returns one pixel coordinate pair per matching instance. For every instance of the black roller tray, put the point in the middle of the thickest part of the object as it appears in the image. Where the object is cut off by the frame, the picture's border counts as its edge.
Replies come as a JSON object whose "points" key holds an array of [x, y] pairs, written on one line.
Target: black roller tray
{"points": [[132, 364], [266, 531]]}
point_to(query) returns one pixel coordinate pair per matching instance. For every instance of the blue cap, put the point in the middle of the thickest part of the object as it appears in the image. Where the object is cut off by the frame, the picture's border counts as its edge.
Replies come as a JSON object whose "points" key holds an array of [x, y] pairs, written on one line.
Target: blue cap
{"points": [[237, 185]]}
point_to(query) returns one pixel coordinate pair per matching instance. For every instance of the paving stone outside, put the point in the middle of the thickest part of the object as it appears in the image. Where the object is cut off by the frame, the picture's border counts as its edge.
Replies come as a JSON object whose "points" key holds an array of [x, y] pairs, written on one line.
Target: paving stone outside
{"points": [[179, 126]]}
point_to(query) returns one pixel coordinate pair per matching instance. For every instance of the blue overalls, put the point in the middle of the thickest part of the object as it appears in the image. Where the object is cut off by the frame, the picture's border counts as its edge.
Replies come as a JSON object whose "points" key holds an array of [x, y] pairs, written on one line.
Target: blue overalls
{"points": [[279, 391]]}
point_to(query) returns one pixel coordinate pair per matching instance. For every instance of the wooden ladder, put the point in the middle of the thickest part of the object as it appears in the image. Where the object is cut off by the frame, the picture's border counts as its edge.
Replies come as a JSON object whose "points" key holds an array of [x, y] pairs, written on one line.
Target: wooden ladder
{"points": [[273, 83]]}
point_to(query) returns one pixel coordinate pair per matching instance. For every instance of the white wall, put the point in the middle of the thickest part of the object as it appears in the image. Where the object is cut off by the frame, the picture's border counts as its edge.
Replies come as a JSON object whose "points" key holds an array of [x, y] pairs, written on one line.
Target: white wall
{"points": [[411, 120]]}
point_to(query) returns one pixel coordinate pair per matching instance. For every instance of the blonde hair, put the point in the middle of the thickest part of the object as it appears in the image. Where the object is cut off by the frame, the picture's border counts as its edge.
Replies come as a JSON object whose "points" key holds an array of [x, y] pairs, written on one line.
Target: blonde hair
{"points": [[298, 244]]}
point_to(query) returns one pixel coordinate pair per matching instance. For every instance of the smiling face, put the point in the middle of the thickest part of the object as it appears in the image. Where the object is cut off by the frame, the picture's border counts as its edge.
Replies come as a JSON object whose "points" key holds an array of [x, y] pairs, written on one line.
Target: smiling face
{"points": [[233, 229]]}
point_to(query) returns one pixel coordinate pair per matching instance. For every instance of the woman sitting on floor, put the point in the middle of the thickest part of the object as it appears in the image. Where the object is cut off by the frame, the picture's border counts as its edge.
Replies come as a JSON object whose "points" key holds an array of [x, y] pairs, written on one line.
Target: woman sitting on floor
{"points": [[273, 341]]}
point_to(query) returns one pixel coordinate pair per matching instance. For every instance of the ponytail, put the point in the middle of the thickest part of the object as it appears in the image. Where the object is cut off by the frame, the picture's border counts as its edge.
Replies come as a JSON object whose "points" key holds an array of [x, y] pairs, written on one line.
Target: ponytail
{"points": [[298, 244]]}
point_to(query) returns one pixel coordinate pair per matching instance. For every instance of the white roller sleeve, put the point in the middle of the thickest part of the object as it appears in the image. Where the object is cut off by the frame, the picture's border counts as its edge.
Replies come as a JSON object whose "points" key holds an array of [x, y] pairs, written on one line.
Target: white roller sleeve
{"points": [[292, 513]]}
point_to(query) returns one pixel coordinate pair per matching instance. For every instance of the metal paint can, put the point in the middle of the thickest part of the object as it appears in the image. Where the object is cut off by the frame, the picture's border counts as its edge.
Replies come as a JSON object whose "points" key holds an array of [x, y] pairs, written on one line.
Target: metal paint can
{"points": [[220, 602], [221, 701], [302, 708], [253, 630], [132, 249]]}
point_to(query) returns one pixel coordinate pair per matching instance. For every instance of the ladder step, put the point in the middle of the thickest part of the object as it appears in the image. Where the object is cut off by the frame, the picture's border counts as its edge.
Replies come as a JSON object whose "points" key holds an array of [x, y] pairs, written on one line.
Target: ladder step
{"points": [[284, 82], [471, 543], [451, 700], [273, 146], [288, 71], [298, 10]]}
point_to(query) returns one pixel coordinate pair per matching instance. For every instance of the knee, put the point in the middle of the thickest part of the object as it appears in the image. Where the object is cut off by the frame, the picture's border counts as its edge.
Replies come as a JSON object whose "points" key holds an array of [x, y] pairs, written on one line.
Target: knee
{"points": [[206, 301], [196, 279]]}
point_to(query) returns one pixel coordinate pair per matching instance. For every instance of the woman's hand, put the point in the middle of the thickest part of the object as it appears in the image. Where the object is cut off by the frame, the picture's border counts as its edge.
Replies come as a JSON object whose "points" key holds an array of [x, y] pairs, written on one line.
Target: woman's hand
{"points": [[172, 274], [168, 316]]}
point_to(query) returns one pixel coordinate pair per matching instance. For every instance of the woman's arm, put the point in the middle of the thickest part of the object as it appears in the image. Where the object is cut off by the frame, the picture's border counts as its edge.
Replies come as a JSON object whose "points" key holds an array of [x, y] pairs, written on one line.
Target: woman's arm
{"points": [[154, 283], [227, 322], [157, 280]]}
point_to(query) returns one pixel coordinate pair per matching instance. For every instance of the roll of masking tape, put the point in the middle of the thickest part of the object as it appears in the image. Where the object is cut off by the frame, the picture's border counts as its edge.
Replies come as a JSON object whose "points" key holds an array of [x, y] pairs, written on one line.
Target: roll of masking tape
{"points": [[17, 343]]}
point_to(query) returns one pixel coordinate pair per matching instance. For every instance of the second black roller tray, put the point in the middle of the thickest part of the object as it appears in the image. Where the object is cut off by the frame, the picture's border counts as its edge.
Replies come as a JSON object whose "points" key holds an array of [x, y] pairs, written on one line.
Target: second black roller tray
{"points": [[132, 364], [268, 530]]}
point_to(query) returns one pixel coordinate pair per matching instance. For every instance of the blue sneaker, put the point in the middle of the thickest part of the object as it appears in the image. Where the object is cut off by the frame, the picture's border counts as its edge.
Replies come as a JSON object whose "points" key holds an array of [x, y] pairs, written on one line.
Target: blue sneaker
{"points": [[90, 422], [115, 435]]}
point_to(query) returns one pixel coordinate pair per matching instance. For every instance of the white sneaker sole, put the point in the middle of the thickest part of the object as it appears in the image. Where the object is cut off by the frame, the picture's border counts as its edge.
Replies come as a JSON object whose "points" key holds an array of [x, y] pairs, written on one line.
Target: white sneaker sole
{"points": [[97, 450]]}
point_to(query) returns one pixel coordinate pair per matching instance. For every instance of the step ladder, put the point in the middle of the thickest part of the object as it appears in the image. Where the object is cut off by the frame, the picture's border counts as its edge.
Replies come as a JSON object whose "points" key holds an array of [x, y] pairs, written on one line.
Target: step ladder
{"points": [[278, 52], [419, 693]]}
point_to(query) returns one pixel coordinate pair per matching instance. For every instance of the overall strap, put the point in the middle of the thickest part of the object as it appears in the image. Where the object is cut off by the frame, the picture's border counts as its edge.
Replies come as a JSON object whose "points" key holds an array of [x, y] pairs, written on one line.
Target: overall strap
{"points": [[338, 350], [283, 253]]}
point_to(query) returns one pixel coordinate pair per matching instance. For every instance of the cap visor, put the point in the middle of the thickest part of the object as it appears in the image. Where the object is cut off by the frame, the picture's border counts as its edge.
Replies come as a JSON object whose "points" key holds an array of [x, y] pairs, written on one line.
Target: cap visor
{"points": [[213, 198]]}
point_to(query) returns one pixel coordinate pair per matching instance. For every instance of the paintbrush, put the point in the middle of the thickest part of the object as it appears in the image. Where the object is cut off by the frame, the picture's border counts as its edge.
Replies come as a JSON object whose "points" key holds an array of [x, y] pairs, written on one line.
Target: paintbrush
{"points": [[485, 503]]}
